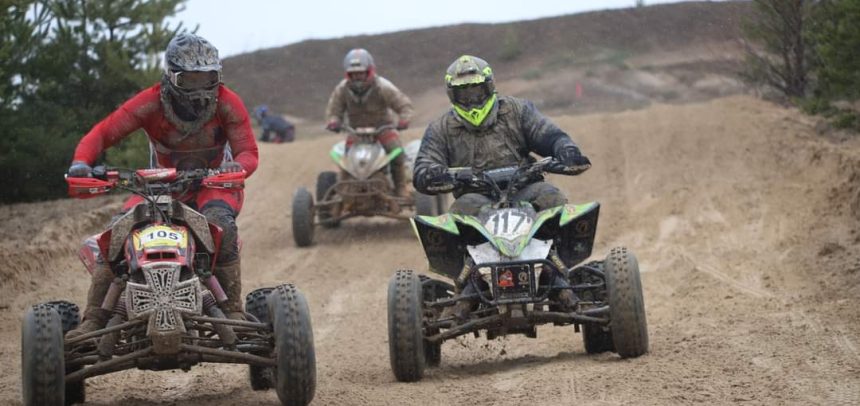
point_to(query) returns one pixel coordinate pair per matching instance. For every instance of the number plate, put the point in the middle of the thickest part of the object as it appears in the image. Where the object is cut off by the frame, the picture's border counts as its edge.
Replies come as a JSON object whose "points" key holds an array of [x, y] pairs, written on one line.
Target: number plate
{"points": [[514, 282], [509, 223], [160, 236]]}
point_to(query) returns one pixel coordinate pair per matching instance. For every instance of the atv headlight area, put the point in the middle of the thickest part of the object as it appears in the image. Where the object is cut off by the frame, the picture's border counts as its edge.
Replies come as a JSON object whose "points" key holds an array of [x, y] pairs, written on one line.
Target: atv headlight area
{"points": [[511, 279], [163, 297]]}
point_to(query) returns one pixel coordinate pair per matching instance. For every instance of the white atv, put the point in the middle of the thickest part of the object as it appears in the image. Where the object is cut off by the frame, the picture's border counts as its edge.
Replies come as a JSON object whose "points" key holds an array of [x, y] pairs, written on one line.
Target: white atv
{"points": [[366, 189]]}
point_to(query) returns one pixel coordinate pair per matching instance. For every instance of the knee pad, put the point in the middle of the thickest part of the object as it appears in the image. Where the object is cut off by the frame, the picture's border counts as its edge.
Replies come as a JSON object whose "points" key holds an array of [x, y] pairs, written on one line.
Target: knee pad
{"points": [[222, 215]]}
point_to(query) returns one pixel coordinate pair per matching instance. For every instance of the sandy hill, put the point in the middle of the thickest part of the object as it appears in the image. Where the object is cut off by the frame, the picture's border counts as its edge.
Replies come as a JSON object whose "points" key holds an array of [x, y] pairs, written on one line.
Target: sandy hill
{"points": [[621, 58], [742, 219]]}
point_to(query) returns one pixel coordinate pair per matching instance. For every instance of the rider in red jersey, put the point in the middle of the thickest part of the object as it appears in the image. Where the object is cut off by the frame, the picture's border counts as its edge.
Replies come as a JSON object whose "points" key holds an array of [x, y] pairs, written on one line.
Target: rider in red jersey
{"points": [[193, 121]]}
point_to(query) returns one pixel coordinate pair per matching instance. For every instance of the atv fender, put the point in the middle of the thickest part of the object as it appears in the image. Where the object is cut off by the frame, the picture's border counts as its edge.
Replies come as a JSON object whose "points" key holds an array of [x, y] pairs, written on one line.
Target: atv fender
{"points": [[439, 237], [578, 223]]}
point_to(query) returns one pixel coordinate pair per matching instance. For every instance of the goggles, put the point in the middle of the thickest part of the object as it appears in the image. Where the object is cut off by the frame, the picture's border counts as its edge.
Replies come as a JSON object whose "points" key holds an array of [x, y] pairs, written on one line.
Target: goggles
{"points": [[195, 80], [359, 76], [471, 96]]}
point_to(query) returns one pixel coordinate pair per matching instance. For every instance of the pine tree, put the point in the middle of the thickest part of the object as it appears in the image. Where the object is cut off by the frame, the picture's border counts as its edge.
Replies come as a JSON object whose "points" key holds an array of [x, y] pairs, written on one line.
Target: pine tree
{"points": [[64, 65]]}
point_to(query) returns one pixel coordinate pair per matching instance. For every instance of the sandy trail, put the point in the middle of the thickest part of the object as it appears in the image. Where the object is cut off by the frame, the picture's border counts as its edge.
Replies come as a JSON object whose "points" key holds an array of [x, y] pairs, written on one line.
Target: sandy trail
{"points": [[743, 220]]}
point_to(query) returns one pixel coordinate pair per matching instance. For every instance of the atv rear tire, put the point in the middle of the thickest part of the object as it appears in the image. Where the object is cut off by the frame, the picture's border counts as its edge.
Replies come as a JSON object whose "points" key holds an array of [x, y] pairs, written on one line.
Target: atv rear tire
{"points": [[425, 205], [257, 303], [629, 328], [303, 217], [295, 374], [405, 327], [432, 351], [596, 340], [70, 314], [43, 372], [325, 181]]}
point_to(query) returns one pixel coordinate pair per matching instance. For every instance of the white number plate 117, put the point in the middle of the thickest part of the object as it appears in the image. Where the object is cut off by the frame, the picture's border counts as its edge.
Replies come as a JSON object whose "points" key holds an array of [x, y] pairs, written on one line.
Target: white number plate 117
{"points": [[509, 223]]}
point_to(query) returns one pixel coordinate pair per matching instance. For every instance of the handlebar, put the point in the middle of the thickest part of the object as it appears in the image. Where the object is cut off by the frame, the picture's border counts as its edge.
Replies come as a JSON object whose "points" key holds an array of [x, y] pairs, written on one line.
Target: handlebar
{"points": [[152, 181], [367, 131], [505, 181]]}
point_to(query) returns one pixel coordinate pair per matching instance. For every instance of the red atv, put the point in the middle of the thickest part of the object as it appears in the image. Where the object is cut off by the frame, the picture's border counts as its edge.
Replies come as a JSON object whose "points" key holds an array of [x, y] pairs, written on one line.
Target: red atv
{"points": [[165, 301]]}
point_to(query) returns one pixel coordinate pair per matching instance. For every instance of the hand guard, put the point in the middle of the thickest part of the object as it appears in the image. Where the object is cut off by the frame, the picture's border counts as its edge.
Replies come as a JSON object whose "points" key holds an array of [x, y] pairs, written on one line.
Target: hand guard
{"points": [[80, 169], [439, 180], [573, 160]]}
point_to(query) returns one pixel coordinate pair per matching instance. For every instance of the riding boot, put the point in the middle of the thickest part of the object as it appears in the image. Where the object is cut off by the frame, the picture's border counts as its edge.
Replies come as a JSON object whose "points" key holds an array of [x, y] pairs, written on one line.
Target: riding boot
{"points": [[230, 276], [95, 318], [398, 176]]}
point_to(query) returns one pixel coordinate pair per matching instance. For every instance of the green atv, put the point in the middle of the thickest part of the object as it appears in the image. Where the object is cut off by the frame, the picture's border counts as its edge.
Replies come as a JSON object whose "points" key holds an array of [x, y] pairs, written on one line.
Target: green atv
{"points": [[509, 265]]}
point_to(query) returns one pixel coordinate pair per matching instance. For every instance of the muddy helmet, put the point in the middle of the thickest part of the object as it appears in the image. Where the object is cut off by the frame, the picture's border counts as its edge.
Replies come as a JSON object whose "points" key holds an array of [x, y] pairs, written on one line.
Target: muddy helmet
{"points": [[192, 75], [355, 62], [471, 90]]}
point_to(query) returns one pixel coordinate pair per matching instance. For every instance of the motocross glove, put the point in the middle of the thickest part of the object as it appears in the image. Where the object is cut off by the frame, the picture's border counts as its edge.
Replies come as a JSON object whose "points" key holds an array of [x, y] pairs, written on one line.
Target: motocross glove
{"points": [[573, 160], [439, 180], [333, 126], [80, 169], [402, 124], [231, 166]]}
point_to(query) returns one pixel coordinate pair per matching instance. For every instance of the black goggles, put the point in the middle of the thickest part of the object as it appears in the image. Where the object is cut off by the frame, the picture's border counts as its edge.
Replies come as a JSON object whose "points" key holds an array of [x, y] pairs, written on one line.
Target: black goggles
{"points": [[472, 95], [193, 80]]}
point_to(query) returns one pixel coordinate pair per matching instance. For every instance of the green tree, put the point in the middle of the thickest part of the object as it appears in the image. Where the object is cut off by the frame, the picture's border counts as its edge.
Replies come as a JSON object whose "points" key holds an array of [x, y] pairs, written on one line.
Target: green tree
{"points": [[778, 54], [837, 38], [64, 65]]}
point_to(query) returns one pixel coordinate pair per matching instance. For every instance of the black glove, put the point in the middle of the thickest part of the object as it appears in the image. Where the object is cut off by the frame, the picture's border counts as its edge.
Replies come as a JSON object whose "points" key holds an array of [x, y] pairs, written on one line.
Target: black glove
{"points": [[438, 179], [573, 160], [80, 169]]}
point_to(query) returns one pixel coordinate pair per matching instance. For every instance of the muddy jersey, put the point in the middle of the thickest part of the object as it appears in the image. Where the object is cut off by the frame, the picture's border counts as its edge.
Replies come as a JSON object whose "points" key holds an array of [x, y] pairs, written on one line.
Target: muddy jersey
{"points": [[201, 148], [374, 108], [518, 130]]}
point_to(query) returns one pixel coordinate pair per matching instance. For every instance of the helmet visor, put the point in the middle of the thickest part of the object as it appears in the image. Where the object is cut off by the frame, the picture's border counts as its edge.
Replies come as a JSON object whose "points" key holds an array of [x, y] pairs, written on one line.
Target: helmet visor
{"points": [[193, 80], [471, 96]]}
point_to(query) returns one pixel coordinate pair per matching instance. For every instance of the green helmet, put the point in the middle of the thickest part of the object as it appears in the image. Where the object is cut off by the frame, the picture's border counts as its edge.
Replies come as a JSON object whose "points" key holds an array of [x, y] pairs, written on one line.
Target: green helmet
{"points": [[471, 90]]}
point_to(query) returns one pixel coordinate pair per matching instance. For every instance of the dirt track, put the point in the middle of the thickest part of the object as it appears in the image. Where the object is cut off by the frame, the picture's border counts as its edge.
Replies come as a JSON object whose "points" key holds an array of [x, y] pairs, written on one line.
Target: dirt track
{"points": [[743, 221]]}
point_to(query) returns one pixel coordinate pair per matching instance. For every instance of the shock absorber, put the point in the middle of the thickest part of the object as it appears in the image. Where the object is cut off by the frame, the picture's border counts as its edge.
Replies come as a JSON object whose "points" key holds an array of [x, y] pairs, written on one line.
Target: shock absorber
{"points": [[556, 260], [464, 274]]}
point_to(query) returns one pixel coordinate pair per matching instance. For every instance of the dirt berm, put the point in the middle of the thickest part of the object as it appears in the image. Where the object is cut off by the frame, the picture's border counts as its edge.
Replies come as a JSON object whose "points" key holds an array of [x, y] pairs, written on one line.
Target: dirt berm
{"points": [[743, 219]]}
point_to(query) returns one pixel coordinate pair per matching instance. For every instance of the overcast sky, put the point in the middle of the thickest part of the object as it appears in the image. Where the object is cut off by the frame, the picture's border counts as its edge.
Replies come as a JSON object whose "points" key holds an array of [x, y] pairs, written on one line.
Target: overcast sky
{"points": [[238, 27]]}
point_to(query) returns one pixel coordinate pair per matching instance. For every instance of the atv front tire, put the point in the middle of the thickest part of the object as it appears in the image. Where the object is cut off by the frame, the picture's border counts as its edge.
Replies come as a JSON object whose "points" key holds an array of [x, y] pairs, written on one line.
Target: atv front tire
{"points": [[626, 304], [70, 318], [43, 372], [325, 181], [295, 374], [303, 218], [405, 327]]}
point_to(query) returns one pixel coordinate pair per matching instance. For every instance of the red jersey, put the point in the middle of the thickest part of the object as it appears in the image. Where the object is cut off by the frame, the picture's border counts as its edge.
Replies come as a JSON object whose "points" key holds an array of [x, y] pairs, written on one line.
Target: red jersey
{"points": [[229, 126]]}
